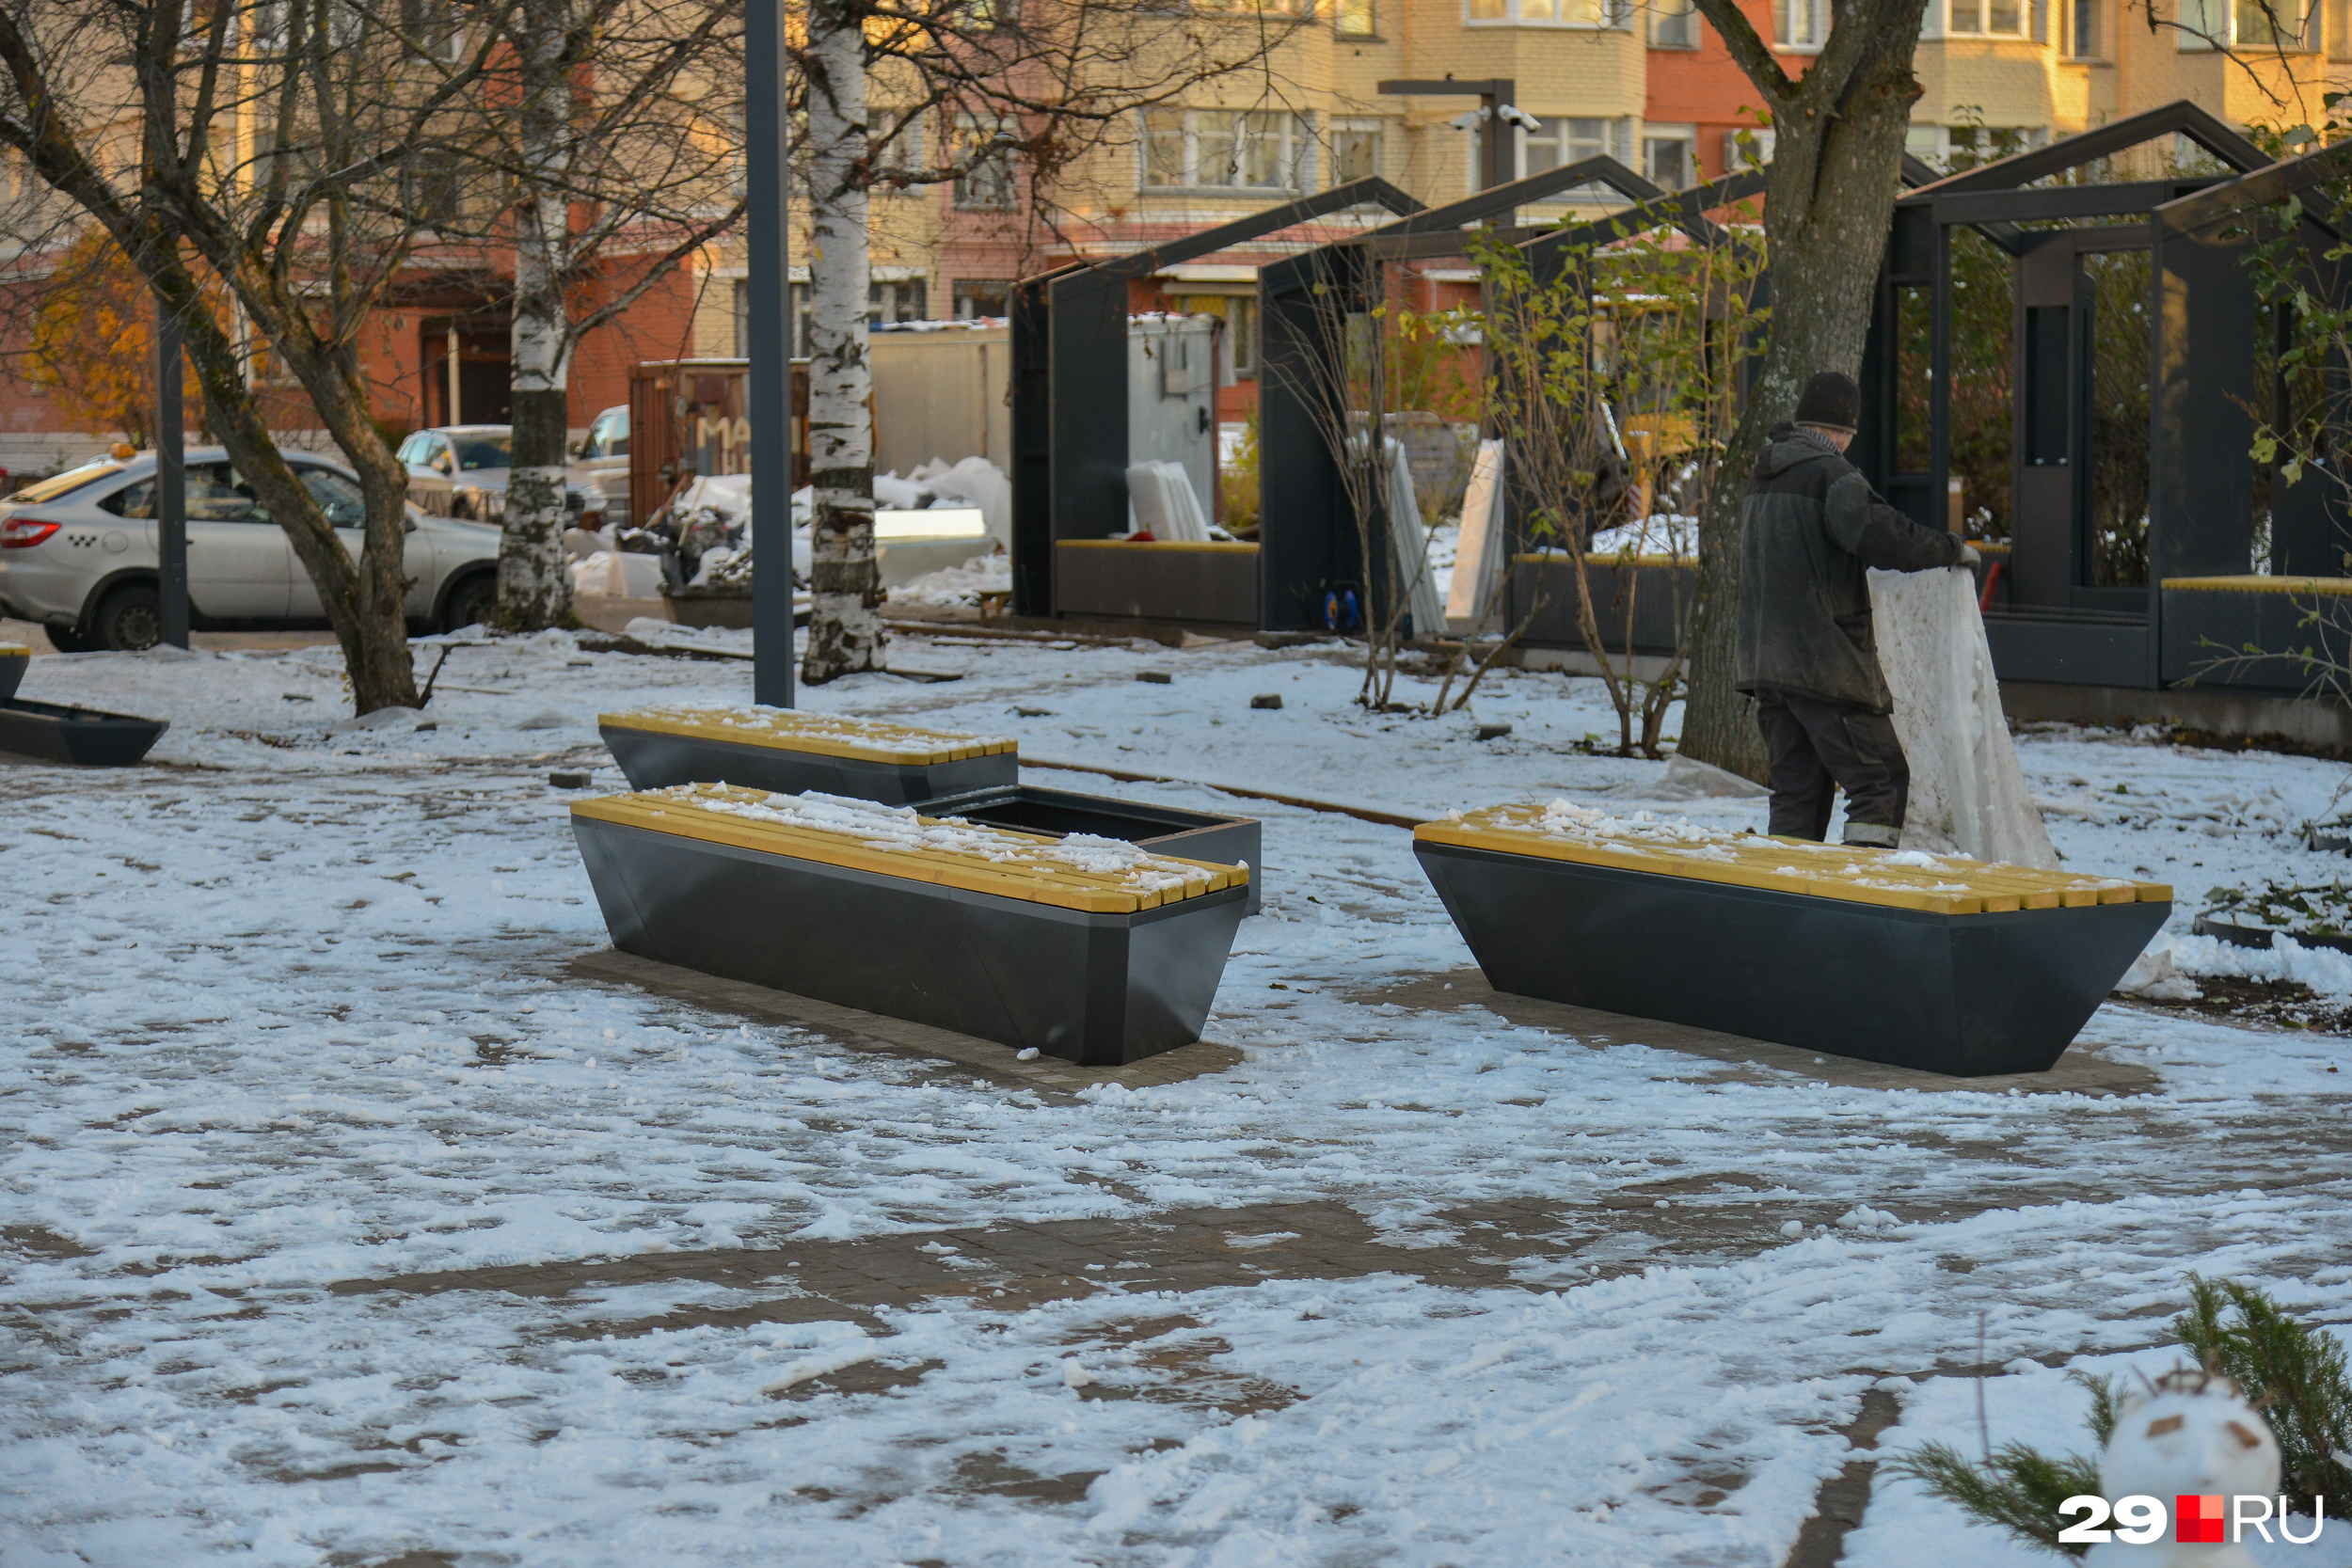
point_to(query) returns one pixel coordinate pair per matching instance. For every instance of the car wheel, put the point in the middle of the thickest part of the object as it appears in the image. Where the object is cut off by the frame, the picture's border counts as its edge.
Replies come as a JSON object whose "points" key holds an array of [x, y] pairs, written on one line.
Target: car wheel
{"points": [[471, 602], [131, 619]]}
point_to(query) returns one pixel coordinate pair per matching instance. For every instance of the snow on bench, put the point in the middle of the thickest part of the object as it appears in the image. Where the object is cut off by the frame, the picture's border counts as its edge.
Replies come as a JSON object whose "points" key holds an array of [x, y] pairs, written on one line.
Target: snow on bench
{"points": [[1913, 880], [1100, 876], [823, 734]]}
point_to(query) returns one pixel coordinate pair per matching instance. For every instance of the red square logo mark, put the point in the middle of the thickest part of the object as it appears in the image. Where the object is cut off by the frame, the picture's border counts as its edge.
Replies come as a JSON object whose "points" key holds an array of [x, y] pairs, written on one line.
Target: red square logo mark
{"points": [[2198, 1520]]}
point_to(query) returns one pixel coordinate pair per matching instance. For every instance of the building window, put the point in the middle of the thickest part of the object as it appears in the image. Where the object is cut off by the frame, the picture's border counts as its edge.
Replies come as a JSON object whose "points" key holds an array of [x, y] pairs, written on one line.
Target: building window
{"points": [[1751, 147], [1556, 143], [1354, 150], [2339, 30], [2082, 40], [2272, 24], [1985, 19], [903, 152], [987, 185], [1953, 147], [1800, 24], [892, 300], [1669, 156], [1259, 150], [977, 297], [1240, 348], [1550, 13], [1355, 18], [1673, 24]]}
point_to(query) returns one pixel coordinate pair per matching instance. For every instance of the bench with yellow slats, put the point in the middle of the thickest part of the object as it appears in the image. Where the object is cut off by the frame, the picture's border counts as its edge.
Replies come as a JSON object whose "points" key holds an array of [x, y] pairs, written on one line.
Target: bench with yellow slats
{"points": [[1087, 948], [1036, 868], [790, 750], [1950, 885], [1936, 963]]}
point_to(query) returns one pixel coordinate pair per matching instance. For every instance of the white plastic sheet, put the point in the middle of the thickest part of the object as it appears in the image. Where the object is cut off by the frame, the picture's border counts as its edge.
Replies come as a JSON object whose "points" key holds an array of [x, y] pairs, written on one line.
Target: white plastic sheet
{"points": [[1411, 540], [1967, 794], [1165, 504], [1478, 560]]}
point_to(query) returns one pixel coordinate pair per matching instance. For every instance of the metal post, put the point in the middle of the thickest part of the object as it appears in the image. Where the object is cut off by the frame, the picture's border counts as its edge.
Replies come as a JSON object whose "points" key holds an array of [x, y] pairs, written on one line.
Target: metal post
{"points": [[767, 234], [450, 368], [171, 494]]}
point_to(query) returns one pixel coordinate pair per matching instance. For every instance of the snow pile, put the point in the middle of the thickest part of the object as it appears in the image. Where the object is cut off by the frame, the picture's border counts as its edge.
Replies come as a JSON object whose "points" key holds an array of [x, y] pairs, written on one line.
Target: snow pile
{"points": [[1659, 533], [900, 829], [1967, 793], [958, 585], [975, 481], [619, 574]]}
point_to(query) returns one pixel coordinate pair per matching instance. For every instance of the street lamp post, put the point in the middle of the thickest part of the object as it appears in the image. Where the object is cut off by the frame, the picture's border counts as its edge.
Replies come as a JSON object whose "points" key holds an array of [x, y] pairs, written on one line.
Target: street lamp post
{"points": [[171, 493], [767, 237]]}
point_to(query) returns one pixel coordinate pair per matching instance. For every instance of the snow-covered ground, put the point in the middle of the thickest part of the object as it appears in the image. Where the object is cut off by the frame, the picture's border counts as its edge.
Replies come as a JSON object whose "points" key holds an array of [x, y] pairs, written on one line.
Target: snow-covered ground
{"points": [[344, 1223]]}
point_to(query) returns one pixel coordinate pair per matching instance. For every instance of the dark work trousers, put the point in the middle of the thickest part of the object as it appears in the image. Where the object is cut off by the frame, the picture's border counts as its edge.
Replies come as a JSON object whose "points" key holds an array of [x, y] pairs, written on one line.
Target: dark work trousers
{"points": [[1814, 746]]}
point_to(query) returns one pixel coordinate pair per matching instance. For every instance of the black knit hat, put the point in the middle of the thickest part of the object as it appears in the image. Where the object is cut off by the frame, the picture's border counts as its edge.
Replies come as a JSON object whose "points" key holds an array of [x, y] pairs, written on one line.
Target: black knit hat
{"points": [[1831, 402]]}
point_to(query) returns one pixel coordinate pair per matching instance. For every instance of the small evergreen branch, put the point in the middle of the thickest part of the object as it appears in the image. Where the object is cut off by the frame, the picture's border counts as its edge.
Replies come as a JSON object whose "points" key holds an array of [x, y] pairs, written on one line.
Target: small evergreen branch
{"points": [[2296, 1376], [2018, 1488]]}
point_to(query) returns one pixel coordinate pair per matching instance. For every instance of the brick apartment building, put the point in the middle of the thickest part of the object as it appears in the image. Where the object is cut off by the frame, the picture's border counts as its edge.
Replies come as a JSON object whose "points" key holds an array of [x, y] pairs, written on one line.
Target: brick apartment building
{"points": [[1647, 80]]}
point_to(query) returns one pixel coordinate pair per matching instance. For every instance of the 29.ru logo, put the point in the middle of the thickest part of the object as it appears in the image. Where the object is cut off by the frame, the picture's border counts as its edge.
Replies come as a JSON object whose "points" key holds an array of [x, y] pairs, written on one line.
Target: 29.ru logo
{"points": [[2207, 1519]]}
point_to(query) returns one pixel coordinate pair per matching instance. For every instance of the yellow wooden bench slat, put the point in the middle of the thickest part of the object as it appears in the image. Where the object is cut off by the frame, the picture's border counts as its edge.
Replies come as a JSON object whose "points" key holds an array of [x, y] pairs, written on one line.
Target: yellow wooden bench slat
{"points": [[2251, 584], [1956, 885], [818, 734], [695, 811]]}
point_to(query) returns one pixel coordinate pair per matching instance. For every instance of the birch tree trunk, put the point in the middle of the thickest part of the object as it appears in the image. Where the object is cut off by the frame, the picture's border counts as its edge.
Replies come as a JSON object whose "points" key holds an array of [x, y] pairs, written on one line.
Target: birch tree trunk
{"points": [[844, 632], [534, 580], [1836, 168]]}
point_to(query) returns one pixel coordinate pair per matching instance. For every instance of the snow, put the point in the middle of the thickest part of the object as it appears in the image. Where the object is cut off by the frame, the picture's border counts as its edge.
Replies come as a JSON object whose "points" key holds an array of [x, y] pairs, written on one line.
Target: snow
{"points": [[297, 1037]]}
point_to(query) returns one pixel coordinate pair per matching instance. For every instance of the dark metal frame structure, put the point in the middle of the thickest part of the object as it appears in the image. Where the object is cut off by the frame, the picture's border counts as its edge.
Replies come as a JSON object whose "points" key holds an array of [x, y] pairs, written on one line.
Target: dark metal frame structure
{"points": [[1070, 384], [1307, 538], [2204, 323]]}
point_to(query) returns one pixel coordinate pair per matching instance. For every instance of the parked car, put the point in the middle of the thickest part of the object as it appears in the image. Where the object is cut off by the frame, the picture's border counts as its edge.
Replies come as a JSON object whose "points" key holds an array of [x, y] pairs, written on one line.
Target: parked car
{"points": [[459, 470], [78, 554], [603, 461]]}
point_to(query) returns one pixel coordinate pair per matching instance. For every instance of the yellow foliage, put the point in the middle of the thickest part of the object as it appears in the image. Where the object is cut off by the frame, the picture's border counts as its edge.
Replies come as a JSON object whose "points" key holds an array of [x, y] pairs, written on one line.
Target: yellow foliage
{"points": [[93, 344]]}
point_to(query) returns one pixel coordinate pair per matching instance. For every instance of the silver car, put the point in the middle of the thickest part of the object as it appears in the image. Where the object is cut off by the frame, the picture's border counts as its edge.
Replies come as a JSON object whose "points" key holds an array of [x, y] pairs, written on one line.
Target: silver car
{"points": [[78, 554], [603, 461], [459, 470]]}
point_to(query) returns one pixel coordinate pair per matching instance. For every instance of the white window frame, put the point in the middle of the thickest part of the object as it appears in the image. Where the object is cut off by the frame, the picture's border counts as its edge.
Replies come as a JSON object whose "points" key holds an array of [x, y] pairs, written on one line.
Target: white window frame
{"points": [[1688, 136], [1592, 16], [1619, 135], [1377, 129], [1982, 27], [2208, 25], [1356, 19], [965, 193], [1673, 16], [1800, 25], [1293, 157]]}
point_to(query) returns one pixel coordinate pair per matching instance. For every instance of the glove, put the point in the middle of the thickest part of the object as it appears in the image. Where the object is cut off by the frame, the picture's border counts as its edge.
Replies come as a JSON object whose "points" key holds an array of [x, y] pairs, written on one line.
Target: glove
{"points": [[1968, 556]]}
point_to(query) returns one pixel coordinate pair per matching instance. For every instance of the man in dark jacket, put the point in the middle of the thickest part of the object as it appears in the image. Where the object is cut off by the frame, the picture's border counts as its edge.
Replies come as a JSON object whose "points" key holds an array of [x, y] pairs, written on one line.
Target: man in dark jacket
{"points": [[1806, 650]]}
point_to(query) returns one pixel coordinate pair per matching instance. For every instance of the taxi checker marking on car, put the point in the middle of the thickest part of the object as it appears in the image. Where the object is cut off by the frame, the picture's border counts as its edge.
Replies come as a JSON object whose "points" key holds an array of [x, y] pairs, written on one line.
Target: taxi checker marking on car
{"points": [[78, 554]]}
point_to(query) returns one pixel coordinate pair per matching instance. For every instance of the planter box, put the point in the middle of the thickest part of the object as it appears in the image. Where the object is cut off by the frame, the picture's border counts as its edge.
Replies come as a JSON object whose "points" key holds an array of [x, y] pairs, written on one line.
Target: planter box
{"points": [[14, 656], [1018, 950], [1958, 968], [80, 735], [786, 751], [1211, 584], [2262, 936], [1195, 835], [1656, 583]]}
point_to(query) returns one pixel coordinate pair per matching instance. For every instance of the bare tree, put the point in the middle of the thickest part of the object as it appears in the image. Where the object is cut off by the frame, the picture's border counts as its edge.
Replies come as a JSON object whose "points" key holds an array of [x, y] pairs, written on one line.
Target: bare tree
{"points": [[611, 120], [270, 151], [1837, 147], [991, 94], [1617, 366]]}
